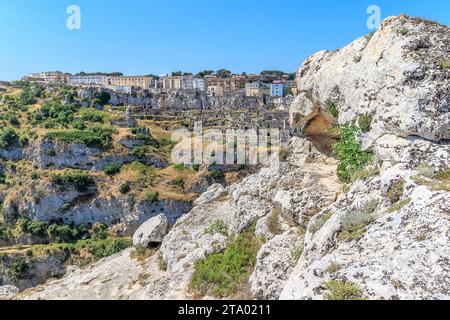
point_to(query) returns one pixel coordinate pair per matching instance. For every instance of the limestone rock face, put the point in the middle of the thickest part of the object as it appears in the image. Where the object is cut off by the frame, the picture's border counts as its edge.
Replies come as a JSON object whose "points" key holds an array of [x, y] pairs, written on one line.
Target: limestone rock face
{"points": [[85, 207], [195, 235], [395, 76], [402, 252], [275, 261], [45, 153], [8, 292], [152, 231]]}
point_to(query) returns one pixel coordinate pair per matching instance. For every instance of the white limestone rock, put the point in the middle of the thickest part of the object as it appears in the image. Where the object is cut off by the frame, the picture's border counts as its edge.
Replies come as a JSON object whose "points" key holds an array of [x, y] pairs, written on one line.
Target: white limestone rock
{"points": [[394, 77], [275, 261], [403, 254], [8, 292], [152, 231]]}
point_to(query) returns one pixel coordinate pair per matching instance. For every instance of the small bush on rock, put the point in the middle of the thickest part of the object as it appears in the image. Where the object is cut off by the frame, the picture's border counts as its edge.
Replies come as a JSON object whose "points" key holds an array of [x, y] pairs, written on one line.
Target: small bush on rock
{"points": [[223, 274], [353, 225], [77, 179], [352, 157], [332, 109], [151, 197], [124, 188], [112, 169], [342, 290], [395, 191], [365, 123], [219, 227]]}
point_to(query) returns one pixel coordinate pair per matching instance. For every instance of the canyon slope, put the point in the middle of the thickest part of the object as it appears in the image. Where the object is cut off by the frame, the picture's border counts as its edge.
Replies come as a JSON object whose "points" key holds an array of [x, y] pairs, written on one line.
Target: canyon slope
{"points": [[365, 215]]}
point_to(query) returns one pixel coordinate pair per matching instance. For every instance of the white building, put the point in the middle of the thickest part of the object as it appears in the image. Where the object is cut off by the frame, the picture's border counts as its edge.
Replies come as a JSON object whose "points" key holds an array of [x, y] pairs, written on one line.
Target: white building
{"points": [[47, 77], [253, 89], [88, 80], [187, 83], [199, 84]]}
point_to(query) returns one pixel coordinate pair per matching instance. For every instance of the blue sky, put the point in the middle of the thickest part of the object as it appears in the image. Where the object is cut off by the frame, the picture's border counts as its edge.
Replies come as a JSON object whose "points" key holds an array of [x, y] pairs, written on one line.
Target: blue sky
{"points": [[160, 36]]}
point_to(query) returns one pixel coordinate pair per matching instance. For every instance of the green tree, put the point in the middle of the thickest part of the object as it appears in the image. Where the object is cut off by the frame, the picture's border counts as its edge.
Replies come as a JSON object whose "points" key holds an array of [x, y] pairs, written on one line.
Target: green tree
{"points": [[223, 73]]}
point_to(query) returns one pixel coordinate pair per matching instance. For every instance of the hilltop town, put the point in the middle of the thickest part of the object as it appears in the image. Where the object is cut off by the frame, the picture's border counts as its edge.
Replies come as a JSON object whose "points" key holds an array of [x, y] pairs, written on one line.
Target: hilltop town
{"points": [[270, 83]]}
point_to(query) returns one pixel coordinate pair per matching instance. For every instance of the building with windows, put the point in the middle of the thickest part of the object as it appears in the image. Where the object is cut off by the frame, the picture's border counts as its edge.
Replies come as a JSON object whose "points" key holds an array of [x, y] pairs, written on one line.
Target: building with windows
{"points": [[88, 80], [52, 77], [199, 84], [253, 89], [172, 83], [216, 91], [214, 81], [277, 89], [132, 81], [238, 83]]}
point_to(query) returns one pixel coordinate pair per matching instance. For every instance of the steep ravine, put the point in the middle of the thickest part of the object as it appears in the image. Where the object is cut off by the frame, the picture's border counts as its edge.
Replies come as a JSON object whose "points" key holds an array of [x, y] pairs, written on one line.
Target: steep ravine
{"points": [[383, 235]]}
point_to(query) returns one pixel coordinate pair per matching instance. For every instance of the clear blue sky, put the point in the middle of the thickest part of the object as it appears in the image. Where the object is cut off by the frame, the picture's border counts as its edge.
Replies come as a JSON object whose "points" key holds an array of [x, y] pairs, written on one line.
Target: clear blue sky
{"points": [[160, 36]]}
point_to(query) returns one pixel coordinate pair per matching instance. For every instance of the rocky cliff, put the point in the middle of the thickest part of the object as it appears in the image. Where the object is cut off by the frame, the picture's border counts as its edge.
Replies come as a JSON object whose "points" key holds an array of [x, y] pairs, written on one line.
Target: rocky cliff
{"points": [[370, 223]]}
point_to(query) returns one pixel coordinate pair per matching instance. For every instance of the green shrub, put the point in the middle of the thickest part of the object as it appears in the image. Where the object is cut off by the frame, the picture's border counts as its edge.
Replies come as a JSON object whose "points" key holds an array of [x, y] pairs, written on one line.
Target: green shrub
{"points": [[139, 152], [24, 140], [342, 290], [112, 169], [219, 227], [179, 182], [351, 157], [395, 191], [151, 197], [76, 179], [4, 233], [92, 138], [179, 166], [54, 112], [320, 222], [353, 225], [124, 188], [443, 175], [196, 167], [296, 253], [99, 231], [103, 248], [404, 32], [38, 228], [61, 233], [2, 178], [427, 171], [92, 116], [19, 268], [399, 205], [217, 174], [332, 109], [8, 137], [50, 153], [79, 125], [365, 123], [223, 274], [445, 64]]}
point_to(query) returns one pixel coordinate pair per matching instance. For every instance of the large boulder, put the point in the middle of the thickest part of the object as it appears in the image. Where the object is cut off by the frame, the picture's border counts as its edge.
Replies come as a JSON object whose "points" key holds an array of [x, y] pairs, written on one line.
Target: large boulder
{"points": [[8, 292], [152, 231]]}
